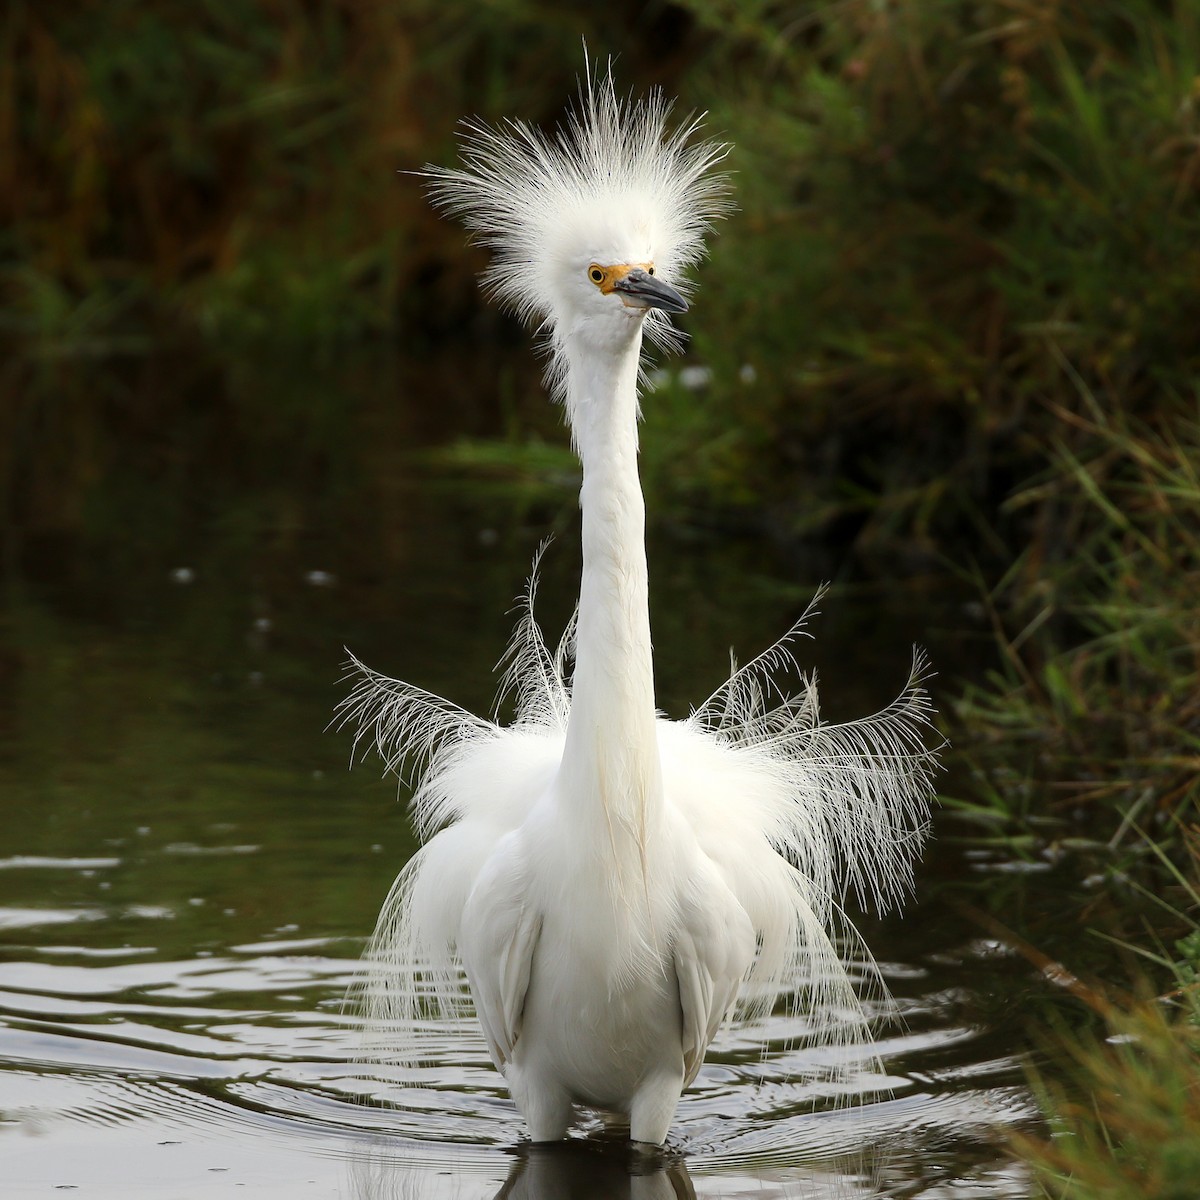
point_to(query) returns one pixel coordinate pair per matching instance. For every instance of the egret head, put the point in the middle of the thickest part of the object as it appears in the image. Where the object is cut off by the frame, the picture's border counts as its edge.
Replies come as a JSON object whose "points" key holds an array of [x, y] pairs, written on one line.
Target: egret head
{"points": [[591, 229]]}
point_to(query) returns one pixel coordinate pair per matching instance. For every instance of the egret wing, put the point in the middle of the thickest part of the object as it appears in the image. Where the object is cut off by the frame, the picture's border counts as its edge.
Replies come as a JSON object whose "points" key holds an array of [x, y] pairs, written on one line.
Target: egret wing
{"points": [[712, 958], [500, 934]]}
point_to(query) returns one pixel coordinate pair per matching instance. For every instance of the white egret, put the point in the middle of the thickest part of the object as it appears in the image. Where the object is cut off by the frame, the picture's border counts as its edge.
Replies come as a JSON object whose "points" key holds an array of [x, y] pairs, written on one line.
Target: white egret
{"points": [[615, 884]]}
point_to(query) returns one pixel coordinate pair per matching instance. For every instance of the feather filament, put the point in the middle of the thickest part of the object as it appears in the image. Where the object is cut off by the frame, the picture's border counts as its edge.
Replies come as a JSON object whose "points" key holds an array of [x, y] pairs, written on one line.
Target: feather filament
{"points": [[796, 811]]}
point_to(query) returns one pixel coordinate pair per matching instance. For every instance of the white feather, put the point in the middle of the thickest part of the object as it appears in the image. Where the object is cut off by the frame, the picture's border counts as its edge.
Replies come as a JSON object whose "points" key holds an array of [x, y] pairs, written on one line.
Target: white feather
{"points": [[795, 812], [615, 883], [612, 182]]}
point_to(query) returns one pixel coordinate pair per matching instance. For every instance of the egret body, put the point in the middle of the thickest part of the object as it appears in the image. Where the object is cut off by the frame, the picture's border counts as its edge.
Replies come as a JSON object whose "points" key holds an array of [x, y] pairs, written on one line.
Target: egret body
{"points": [[615, 884]]}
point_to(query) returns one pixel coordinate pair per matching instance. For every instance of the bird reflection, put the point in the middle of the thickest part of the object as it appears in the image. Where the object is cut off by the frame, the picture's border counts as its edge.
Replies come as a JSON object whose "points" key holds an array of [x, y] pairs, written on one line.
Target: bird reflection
{"points": [[604, 1168], [598, 1169], [594, 1170]]}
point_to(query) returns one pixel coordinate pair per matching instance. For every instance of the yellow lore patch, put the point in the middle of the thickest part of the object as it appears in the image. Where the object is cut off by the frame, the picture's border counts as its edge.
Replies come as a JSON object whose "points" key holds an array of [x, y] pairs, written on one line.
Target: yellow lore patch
{"points": [[606, 278]]}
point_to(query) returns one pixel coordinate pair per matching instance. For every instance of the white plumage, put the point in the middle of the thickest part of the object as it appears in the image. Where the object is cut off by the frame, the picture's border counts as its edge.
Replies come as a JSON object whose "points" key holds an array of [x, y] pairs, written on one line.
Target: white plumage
{"points": [[615, 884]]}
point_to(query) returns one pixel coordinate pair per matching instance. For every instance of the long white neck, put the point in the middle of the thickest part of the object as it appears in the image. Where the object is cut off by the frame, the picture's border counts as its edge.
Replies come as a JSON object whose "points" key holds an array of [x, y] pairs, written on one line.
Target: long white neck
{"points": [[610, 761]]}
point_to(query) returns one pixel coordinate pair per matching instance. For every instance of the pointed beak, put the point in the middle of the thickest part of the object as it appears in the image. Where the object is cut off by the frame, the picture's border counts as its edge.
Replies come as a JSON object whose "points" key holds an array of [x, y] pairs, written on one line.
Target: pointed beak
{"points": [[641, 290]]}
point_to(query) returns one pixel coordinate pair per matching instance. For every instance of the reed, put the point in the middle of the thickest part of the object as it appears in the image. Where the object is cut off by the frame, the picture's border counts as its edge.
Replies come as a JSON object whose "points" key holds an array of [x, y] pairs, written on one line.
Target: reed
{"points": [[1123, 1105]]}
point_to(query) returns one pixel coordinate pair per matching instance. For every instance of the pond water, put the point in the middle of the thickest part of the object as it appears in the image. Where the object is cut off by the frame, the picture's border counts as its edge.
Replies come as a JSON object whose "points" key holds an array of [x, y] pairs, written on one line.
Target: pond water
{"points": [[188, 871]]}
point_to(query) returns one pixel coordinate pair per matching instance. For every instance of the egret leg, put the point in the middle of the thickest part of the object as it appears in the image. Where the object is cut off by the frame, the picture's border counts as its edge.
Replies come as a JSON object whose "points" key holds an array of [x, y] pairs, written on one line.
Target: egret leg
{"points": [[654, 1106], [547, 1109]]}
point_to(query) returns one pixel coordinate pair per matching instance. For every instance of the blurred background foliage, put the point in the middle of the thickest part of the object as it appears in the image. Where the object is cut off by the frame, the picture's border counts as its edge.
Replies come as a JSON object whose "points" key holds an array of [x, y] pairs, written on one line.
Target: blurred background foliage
{"points": [[951, 333], [961, 223]]}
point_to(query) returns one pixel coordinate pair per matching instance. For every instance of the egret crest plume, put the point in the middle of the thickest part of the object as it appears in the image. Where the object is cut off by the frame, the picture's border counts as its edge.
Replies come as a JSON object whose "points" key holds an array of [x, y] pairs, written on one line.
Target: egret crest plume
{"points": [[611, 179], [599, 885]]}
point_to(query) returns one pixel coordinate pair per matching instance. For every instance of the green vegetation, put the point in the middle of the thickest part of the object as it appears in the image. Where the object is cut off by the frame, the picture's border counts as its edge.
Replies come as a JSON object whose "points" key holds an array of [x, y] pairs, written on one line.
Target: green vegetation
{"points": [[1126, 1120], [229, 169], [1125, 1114], [1098, 697], [953, 329]]}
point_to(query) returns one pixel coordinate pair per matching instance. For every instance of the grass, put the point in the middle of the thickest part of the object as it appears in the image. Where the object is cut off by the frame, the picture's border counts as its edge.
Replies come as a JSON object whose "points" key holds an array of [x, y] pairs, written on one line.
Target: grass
{"points": [[1094, 719], [1124, 1106], [1125, 1114], [1099, 693]]}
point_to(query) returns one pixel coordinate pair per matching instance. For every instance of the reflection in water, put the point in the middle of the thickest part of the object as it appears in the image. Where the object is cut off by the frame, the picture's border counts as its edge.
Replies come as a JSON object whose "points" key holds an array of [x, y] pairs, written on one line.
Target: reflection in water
{"points": [[607, 1169], [571, 1170], [599, 1168], [594, 1171]]}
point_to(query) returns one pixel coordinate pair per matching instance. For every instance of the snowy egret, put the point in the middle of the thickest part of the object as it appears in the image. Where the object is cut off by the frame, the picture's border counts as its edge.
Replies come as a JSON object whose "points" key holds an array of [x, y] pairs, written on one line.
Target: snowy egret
{"points": [[615, 884]]}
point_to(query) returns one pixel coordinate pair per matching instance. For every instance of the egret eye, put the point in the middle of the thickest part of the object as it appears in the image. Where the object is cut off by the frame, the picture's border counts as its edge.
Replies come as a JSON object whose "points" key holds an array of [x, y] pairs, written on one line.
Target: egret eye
{"points": [[595, 274], [649, 270]]}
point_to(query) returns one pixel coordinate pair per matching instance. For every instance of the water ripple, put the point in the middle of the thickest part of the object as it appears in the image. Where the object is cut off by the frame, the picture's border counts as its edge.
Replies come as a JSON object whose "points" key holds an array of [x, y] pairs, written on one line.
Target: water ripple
{"points": [[45, 863], [251, 1049]]}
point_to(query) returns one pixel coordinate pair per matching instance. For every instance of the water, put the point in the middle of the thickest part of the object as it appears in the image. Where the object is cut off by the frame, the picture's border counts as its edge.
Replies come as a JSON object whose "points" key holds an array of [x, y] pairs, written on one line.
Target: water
{"points": [[188, 872]]}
